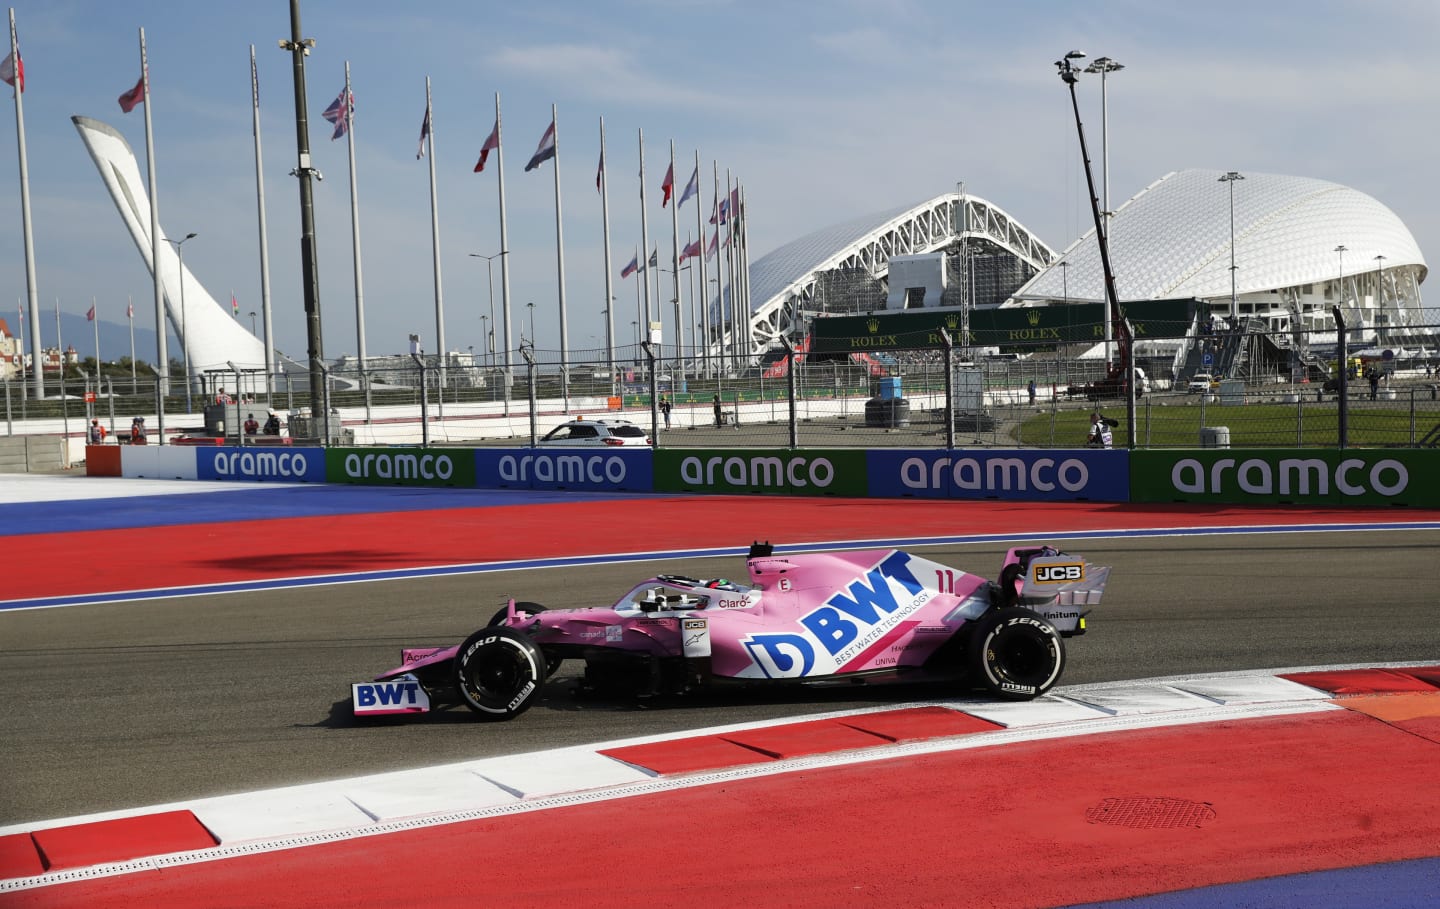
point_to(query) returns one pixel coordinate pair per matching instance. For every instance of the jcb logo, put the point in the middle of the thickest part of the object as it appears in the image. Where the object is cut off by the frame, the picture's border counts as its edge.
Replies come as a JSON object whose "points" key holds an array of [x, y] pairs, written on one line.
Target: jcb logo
{"points": [[1059, 574]]}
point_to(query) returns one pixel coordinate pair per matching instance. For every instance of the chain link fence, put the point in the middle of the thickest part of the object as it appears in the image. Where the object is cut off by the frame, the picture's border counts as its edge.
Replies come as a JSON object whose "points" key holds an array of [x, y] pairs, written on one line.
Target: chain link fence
{"points": [[1247, 388]]}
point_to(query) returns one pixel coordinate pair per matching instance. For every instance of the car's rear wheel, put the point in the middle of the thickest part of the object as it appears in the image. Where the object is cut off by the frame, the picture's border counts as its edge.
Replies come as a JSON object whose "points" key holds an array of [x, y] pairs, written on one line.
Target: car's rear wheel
{"points": [[1016, 654], [498, 672]]}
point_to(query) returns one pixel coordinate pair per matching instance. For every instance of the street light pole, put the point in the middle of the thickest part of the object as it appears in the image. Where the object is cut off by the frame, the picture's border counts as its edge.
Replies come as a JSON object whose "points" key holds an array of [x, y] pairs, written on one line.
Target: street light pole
{"points": [[184, 333], [1230, 177], [1379, 281], [1341, 250], [1103, 66], [490, 280], [252, 322]]}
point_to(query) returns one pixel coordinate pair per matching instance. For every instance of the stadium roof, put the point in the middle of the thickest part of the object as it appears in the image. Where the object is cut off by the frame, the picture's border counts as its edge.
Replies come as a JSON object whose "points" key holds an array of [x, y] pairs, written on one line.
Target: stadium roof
{"points": [[1173, 239], [788, 275]]}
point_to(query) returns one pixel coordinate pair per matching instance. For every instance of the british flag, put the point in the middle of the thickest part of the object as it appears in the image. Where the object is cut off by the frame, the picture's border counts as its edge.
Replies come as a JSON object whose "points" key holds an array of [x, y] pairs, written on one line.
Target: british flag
{"points": [[339, 113]]}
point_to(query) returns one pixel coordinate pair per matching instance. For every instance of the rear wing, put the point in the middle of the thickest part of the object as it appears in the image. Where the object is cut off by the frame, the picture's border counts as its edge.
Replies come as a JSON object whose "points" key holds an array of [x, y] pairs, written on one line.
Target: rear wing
{"points": [[1062, 580]]}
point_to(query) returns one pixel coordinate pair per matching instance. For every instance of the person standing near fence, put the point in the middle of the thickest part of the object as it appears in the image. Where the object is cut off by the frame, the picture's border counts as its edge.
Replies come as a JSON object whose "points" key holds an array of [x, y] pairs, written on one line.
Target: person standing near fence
{"points": [[1031, 390], [1100, 434], [665, 407], [719, 412]]}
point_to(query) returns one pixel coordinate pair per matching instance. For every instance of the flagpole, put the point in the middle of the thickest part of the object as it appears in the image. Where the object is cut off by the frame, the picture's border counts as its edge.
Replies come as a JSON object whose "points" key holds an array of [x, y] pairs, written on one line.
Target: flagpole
{"points": [[504, 250], [130, 316], [37, 352], [639, 308], [718, 314], [435, 247], [744, 262], [95, 323], [560, 268], [730, 310], [644, 241], [699, 299], [609, 279], [349, 114], [59, 343], [162, 351], [264, 244], [675, 264], [20, 311]]}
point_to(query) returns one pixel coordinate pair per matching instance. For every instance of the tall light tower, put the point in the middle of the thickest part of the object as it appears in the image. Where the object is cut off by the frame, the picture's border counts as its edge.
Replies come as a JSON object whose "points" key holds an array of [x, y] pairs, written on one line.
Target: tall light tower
{"points": [[1104, 66], [1230, 178]]}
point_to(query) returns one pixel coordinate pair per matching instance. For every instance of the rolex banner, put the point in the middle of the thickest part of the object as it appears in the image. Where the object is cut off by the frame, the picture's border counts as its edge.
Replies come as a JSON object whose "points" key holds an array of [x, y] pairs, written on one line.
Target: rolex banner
{"points": [[1027, 326]]}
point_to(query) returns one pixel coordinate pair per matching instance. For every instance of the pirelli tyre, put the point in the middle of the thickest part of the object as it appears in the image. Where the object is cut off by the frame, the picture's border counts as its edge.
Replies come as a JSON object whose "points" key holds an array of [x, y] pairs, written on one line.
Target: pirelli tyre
{"points": [[552, 660], [498, 672], [1015, 654]]}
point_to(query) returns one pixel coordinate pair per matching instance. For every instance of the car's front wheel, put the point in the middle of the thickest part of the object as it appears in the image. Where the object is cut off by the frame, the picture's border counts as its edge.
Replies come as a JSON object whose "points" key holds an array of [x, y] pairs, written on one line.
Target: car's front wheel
{"points": [[529, 610], [1016, 654], [499, 672]]}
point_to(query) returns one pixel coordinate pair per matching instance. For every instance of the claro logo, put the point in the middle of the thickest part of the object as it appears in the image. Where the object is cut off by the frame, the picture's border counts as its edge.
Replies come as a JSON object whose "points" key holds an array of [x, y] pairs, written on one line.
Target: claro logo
{"points": [[1291, 476], [563, 468], [758, 471], [387, 466], [1043, 474], [260, 464]]}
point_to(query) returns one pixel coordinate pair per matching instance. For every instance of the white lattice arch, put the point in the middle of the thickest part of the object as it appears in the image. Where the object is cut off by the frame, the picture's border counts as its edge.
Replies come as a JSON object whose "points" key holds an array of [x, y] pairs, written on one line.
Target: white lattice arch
{"points": [[784, 281]]}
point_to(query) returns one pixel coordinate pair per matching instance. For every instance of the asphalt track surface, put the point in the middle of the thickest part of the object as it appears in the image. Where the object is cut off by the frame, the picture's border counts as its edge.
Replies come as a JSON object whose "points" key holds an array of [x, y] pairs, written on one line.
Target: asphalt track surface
{"points": [[112, 706]]}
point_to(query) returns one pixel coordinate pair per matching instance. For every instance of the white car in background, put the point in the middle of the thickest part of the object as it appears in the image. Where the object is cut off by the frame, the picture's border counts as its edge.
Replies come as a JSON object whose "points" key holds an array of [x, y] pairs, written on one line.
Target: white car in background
{"points": [[595, 433]]}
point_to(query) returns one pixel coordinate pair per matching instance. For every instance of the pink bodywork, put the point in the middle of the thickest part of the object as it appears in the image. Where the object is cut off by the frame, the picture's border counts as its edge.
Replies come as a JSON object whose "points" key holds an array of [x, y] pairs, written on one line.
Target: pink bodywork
{"points": [[801, 616]]}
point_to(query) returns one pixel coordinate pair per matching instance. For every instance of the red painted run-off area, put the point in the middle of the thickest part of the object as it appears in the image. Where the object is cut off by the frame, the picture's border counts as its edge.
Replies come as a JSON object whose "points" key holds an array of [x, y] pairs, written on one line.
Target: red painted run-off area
{"points": [[1036, 824], [76, 563]]}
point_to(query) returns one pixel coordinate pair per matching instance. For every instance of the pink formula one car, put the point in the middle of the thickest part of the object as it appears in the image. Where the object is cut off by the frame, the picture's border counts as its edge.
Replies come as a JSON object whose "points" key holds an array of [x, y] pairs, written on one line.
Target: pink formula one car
{"points": [[818, 618]]}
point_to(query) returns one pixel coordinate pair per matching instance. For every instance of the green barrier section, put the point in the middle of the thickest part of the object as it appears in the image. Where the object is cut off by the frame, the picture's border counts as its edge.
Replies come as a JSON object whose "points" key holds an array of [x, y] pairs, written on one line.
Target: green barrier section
{"points": [[401, 466], [1357, 476], [728, 471]]}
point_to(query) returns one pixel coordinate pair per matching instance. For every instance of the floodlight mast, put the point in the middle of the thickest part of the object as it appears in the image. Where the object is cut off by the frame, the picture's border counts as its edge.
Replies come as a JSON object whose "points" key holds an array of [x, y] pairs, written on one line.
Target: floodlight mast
{"points": [[1123, 372]]}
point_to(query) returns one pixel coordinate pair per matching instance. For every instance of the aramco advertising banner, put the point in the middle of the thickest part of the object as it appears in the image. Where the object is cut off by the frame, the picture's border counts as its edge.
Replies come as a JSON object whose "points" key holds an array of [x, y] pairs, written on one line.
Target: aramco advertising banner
{"points": [[585, 469], [1022, 475], [1301, 476], [803, 472], [401, 466], [278, 462]]}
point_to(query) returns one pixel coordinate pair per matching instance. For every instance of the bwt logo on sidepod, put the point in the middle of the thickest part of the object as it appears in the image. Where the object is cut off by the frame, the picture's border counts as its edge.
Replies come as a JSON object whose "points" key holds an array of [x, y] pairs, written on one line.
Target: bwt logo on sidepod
{"points": [[260, 464], [850, 621], [563, 468]]}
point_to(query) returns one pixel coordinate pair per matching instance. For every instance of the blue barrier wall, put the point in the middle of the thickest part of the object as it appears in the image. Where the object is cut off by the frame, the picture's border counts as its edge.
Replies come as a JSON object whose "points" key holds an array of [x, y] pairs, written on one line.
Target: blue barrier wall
{"points": [[261, 463]]}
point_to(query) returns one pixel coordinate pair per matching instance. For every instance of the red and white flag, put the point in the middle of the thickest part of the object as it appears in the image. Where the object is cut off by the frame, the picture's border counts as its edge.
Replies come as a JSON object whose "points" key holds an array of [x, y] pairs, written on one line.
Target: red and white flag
{"points": [[490, 145], [12, 72], [691, 250], [90, 316], [545, 150], [234, 306], [133, 97], [130, 310], [668, 187]]}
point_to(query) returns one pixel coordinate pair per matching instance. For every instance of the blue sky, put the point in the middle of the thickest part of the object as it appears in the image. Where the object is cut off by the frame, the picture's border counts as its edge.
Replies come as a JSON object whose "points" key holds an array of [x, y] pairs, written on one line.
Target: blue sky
{"points": [[825, 111]]}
